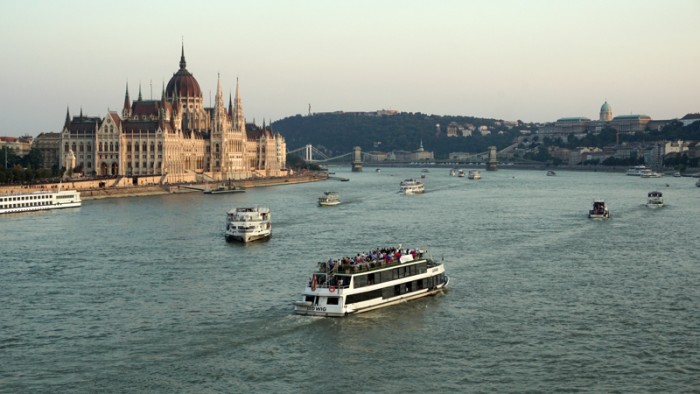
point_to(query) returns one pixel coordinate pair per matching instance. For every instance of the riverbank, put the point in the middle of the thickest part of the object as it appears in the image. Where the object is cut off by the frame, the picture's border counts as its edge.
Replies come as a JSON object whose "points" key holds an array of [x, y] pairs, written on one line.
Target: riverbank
{"points": [[94, 193]]}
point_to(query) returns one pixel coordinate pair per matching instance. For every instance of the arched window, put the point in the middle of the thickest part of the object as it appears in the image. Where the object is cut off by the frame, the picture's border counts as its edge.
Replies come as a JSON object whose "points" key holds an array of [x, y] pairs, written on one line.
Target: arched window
{"points": [[100, 147], [74, 147], [144, 147], [136, 146], [217, 148], [160, 147], [153, 149], [66, 147], [89, 147], [111, 147], [81, 147], [116, 146]]}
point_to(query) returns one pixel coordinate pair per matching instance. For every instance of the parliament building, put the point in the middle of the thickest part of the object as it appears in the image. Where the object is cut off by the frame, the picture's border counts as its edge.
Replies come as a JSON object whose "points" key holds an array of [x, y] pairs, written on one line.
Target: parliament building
{"points": [[173, 139]]}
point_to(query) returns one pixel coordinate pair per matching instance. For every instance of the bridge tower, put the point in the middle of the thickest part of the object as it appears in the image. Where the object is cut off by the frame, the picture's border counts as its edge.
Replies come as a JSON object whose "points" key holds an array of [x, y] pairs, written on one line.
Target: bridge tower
{"points": [[308, 153], [357, 160], [492, 164]]}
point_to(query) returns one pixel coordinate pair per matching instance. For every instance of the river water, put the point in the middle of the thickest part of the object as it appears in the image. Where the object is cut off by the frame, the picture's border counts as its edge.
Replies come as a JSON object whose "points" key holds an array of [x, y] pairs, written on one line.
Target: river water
{"points": [[144, 295]]}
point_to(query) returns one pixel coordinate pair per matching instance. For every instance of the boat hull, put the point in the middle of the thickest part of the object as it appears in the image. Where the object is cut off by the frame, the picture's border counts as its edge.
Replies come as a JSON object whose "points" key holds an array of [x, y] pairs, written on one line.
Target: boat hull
{"points": [[245, 238], [39, 201], [308, 309]]}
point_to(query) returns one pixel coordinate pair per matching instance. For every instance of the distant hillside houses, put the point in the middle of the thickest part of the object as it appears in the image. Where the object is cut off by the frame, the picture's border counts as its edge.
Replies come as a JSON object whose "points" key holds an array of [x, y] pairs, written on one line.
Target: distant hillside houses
{"points": [[381, 112], [580, 126], [651, 154]]}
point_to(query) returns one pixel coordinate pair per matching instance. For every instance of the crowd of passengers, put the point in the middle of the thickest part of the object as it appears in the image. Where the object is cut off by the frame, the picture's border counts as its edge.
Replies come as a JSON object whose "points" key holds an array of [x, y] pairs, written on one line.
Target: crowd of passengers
{"points": [[372, 259]]}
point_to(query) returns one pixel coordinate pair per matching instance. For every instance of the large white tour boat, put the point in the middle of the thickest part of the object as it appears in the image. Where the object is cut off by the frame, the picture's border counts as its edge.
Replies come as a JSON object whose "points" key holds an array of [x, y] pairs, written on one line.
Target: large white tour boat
{"points": [[655, 199], [38, 201], [248, 224], [599, 211], [329, 199], [474, 174], [411, 186], [379, 278]]}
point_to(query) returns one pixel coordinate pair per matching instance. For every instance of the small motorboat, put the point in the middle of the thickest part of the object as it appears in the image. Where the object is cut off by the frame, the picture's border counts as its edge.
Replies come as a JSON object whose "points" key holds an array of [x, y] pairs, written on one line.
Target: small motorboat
{"points": [[599, 211], [655, 199]]}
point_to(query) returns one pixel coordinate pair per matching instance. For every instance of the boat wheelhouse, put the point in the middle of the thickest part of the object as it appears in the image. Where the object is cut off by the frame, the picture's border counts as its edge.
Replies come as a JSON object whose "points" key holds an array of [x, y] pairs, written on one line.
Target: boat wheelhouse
{"points": [[599, 211], [328, 199], [474, 174], [248, 224], [39, 201], [411, 186], [381, 278], [655, 199], [460, 173]]}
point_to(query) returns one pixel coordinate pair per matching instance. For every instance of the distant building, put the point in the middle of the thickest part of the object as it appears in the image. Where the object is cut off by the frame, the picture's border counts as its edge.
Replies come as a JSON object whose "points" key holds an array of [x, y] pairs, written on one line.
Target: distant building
{"points": [[19, 145], [48, 145], [630, 123], [690, 118]]}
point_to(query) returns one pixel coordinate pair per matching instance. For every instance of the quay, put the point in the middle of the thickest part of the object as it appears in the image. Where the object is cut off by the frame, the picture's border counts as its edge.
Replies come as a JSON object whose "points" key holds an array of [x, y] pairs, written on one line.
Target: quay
{"points": [[109, 188]]}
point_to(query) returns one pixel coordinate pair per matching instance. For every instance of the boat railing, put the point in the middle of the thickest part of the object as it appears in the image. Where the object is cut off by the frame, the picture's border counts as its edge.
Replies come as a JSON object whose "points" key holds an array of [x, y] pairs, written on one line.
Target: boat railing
{"points": [[354, 267]]}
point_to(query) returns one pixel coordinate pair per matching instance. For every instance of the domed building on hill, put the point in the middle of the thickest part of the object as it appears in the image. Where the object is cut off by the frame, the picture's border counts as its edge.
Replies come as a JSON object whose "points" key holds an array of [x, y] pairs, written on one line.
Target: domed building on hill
{"points": [[605, 112], [175, 138]]}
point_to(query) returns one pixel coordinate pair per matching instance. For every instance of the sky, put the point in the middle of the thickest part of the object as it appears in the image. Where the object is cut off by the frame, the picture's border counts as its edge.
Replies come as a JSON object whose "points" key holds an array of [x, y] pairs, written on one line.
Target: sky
{"points": [[534, 61]]}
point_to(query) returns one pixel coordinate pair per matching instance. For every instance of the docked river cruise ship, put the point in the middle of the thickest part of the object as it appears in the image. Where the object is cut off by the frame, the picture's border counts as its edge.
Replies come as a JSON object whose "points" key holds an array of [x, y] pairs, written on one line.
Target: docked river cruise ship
{"points": [[39, 201], [380, 278]]}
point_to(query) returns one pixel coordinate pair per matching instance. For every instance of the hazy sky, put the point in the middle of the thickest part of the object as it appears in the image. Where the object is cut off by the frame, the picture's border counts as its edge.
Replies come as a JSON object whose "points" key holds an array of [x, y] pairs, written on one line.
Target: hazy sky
{"points": [[527, 60]]}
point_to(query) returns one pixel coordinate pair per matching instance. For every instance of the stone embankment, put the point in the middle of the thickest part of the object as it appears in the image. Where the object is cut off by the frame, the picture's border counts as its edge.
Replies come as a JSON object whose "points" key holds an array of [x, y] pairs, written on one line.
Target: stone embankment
{"points": [[90, 192]]}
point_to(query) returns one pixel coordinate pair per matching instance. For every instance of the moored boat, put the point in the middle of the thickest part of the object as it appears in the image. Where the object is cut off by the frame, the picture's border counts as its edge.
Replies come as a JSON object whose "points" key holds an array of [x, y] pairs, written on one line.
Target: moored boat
{"points": [[231, 188], [411, 186], [655, 199], [474, 174], [599, 211], [453, 172], [637, 170], [650, 174], [39, 201], [460, 173], [551, 173], [380, 278], [328, 199], [248, 224]]}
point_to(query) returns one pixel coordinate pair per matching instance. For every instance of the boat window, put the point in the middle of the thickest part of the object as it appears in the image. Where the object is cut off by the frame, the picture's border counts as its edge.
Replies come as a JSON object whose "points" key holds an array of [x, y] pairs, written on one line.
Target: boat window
{"points": [[370, 279], [386, 275], [332, 301], [309, 298]]}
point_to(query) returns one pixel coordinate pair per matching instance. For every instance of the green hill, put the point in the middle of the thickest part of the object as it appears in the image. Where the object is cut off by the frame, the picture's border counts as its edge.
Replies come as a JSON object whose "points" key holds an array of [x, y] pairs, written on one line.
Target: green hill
{"points": [[337, 133]]}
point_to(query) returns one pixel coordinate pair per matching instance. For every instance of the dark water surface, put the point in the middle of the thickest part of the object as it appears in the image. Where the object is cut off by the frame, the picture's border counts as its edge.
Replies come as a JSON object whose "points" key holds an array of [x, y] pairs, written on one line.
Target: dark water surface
{"points": [[144, 295]]}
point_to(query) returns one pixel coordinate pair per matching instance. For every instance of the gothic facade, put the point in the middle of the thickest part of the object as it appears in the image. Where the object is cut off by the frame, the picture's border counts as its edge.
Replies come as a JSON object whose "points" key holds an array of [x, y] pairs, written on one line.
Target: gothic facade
{"points": [[175, 138]]}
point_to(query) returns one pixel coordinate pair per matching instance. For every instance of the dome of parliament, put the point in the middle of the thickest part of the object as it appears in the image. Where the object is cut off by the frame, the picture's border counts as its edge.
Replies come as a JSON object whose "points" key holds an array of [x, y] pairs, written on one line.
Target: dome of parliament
{"points": [[183, 83]]}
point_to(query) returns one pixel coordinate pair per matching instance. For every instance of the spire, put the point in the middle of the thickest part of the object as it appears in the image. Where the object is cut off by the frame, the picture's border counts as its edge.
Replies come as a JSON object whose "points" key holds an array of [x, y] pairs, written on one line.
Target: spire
{"points": [[81, 112], [230, 105], [162, 94], [238, 120], [67, 117], [183, 63], [127, 101], [139, 99]]}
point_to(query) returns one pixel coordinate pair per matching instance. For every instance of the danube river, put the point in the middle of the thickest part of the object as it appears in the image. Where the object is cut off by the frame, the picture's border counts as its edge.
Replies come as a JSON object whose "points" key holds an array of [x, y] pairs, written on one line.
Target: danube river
{"points": [[143, 294]]}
